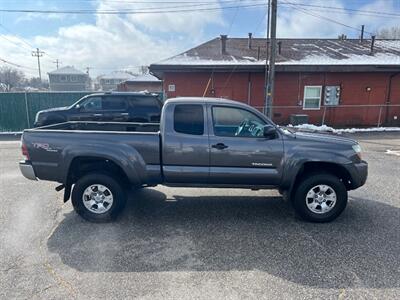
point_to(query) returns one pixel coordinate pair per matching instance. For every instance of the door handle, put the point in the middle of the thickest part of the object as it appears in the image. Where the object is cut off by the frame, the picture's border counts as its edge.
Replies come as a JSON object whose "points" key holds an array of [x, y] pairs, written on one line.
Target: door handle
{"points": [[124, 114], [97, 115], [219, 146]]}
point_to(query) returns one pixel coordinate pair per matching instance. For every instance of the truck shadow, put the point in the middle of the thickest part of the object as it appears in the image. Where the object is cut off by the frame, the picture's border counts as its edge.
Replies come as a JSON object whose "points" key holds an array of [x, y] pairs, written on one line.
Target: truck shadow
{"points": [[241, 233]]}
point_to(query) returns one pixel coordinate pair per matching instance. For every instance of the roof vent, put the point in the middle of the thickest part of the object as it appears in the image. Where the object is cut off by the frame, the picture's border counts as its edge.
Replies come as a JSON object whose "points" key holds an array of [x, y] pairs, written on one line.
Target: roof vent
{"points": [[249, 40], [362, 33], [372, 43], [342, 37], [224, 37]]}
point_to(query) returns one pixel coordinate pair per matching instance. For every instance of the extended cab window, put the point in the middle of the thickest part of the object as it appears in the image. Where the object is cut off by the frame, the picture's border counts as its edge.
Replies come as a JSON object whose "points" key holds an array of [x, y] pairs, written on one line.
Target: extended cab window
{"points": [[231, 121], [189, 119]]}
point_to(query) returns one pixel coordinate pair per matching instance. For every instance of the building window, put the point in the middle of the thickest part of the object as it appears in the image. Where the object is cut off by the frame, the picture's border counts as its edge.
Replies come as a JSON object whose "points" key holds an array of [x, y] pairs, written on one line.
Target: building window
{"points": [[189, 119], [312, 97], [171, 88], [63, 78], [74, 78]]}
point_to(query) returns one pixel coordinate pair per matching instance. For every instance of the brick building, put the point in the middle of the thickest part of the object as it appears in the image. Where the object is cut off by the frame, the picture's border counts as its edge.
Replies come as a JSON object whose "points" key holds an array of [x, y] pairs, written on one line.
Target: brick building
{"points": [[338, 82]]}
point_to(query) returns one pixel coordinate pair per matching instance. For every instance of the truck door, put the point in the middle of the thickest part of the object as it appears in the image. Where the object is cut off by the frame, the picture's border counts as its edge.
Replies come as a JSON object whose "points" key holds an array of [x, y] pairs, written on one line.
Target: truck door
{"points": [[239, 152], [185, 146]]}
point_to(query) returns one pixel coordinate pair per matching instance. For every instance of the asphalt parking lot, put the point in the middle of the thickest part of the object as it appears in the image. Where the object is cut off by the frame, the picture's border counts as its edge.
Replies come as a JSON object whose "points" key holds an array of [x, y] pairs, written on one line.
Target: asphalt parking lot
{"points": [[202, 243]]}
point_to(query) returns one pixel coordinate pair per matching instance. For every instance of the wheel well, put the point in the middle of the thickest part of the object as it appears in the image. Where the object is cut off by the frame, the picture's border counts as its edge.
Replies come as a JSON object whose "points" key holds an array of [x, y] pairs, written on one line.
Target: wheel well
{"points": [[324, 167], [81, 166]]}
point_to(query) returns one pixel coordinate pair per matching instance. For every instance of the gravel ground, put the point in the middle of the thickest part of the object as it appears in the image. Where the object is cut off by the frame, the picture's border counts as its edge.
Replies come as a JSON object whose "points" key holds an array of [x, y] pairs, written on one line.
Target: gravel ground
{"points": [[202, 243]]}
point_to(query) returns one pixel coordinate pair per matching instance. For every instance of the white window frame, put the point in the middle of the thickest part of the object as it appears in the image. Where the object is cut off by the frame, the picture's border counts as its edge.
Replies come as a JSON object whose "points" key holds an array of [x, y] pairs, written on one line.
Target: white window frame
{"points": [[304, 97]]}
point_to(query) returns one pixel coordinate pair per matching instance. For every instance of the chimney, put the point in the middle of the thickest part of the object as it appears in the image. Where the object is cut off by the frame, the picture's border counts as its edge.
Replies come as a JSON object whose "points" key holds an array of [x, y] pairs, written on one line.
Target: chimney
{"points": [[249, 40], [224, 37], [372, 43], [362, 34], [279, 47]]}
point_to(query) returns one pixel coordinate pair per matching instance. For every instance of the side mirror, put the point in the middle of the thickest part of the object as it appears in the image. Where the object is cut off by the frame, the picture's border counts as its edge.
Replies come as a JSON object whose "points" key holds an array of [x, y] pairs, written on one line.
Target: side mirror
{"points": [[270, 132]]}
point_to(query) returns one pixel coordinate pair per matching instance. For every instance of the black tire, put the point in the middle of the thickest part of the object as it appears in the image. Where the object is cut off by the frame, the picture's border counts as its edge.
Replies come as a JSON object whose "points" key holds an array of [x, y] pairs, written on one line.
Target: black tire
{"points": [[300, 193], [117, 191]]}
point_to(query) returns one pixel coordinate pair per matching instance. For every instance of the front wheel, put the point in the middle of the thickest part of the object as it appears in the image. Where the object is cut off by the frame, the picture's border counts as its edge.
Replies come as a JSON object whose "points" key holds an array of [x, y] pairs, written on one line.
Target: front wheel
{"points": [[98, 197], [320, 198]]}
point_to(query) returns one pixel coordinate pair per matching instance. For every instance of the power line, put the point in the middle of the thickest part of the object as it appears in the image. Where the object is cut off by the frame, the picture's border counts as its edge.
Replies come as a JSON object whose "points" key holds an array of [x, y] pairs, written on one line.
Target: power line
{"points": [[380, 13], [18, 45], [125, 12], [307, 12], [19, 38], [16, 65]]}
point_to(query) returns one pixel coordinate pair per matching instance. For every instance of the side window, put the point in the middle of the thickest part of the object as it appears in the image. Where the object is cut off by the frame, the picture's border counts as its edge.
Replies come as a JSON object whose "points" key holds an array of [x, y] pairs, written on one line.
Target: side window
{"points": [[114, 103], [312, 97], [189, 119], [144, 102], [90, 104], [231, 121]]}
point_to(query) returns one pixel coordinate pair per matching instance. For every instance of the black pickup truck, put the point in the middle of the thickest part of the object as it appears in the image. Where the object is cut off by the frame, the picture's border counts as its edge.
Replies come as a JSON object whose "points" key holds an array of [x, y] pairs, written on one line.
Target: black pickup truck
{"points": [[202, 142]]}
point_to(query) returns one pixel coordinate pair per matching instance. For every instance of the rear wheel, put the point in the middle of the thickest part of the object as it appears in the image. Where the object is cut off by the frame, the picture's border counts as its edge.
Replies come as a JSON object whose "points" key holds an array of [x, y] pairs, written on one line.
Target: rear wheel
{"points": [[98, 197], [320, 198]]}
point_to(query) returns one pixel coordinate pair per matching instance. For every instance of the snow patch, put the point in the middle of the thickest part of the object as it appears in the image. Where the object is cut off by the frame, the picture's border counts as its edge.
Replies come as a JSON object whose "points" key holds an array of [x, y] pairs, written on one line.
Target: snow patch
{"points": [[393, 152], [324, 128]]}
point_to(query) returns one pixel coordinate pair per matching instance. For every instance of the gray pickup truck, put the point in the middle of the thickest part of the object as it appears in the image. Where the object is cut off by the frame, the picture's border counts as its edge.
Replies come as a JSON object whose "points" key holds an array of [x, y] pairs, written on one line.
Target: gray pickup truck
{"points": [[201, 142]]}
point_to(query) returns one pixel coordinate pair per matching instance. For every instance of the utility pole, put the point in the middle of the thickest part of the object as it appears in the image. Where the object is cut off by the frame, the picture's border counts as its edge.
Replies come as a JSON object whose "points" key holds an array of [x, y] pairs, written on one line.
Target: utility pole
{"points": [[57, 62], [272, 55], [38, 54]]}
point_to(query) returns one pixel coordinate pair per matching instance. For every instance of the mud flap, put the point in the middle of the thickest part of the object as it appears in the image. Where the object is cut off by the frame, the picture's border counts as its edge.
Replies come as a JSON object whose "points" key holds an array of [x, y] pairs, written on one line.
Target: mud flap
{"points": [[67, 191]]}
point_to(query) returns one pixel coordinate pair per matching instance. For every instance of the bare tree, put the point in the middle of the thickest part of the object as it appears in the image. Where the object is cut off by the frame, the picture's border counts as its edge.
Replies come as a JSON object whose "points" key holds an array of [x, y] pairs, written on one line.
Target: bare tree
{"points": [[36, 83], [11, 78], [389, 33]]}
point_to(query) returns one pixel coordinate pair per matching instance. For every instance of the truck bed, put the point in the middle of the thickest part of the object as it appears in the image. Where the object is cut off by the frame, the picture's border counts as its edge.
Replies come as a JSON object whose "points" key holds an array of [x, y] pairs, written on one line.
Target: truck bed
{"points": [[137, 143]]}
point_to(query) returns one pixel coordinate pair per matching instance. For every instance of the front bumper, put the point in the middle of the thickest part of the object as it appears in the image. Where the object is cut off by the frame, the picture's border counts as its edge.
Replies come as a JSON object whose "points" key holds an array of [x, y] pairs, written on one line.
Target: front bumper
{"points": [[27, 170], [359, 174]]}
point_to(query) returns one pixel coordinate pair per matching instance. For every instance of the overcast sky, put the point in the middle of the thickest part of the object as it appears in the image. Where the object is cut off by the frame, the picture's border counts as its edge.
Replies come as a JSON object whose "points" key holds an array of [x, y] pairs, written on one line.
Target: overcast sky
{"points": [[114, 42]]}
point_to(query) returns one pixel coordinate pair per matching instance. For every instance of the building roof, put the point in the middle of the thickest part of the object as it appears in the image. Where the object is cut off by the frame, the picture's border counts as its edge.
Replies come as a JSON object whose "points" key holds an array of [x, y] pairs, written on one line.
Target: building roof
{"points": [[67, 70], [294, 54], [144, 78], [118, 75]]}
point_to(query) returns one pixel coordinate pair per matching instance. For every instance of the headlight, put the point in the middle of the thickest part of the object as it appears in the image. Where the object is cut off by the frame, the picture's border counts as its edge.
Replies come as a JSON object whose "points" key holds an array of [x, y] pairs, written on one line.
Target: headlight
{"points": [[357, 149]]}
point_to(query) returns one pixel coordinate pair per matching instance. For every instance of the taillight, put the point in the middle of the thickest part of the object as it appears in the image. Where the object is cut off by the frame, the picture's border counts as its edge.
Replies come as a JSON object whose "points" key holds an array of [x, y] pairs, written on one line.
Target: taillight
{"points": [[25, 152]]}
